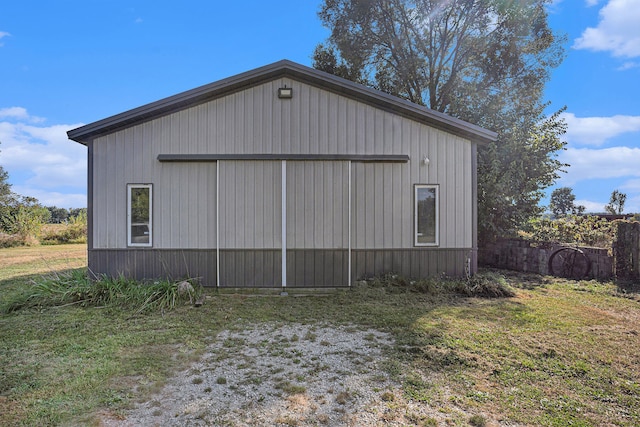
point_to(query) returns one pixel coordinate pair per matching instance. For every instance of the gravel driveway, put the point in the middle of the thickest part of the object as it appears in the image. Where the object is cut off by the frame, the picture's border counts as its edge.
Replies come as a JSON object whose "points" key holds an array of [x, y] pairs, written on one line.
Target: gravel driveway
{"points": [[269, 375]]}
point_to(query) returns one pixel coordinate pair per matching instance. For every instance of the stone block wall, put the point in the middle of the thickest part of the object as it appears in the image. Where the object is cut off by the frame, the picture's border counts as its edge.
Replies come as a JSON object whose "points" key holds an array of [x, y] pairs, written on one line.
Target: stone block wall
{"points": [[533, 257]]}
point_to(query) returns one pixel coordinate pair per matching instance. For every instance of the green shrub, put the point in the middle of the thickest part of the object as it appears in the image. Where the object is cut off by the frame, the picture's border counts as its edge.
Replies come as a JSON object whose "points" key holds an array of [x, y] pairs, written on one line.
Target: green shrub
{"points": [[587, 230], [23, 217], [14, 240], [74, 231], [27, 229]]}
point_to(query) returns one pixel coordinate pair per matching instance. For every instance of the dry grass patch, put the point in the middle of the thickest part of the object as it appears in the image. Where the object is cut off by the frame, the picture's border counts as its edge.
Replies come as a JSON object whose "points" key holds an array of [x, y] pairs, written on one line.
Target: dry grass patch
{"points": [[15, 262]]}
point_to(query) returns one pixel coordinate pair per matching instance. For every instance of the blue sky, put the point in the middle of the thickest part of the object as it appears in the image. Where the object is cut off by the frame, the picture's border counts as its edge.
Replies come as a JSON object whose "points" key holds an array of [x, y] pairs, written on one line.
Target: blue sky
{"points": [[68, 63]]}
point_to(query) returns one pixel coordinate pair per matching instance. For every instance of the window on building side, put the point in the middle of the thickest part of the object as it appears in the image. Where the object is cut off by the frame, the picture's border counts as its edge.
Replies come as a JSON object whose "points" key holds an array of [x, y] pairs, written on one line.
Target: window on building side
{"points": [[139, 214], [426, 215]]}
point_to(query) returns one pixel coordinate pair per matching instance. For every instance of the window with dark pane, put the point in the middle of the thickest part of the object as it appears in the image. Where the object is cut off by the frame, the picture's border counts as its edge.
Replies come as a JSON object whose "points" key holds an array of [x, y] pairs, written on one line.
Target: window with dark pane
{"points": [[426, 215], [139, 215]]}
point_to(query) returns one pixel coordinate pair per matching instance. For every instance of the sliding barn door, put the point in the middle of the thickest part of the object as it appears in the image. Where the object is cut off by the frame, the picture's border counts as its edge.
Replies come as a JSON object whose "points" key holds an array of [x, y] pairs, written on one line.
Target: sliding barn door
{"points": [[317, 223], [250, 223]]}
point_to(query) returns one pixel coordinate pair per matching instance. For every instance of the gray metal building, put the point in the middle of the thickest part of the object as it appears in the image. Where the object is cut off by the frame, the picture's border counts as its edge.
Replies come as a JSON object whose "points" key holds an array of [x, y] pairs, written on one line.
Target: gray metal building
{"points": [[281, 176]]}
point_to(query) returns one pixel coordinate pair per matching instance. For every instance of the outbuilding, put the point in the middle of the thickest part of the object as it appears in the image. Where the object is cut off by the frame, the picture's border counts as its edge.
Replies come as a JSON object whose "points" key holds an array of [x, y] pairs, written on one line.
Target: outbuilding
{"points": [[281, 176]]}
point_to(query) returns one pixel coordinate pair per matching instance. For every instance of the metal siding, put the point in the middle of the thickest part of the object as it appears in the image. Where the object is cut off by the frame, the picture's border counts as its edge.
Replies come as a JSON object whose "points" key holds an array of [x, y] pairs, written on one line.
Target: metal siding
{"points": [[146, 264], [185, 206], [316, 268], [411, 263], [382, 206], [261, 268], [90, 194], [447, 197], [474, 204], [273, 72], [317, 205], [122, 158], [250, 268], [313, 121], [256, 121], [250, 205], [449, 157], [109, 203]]}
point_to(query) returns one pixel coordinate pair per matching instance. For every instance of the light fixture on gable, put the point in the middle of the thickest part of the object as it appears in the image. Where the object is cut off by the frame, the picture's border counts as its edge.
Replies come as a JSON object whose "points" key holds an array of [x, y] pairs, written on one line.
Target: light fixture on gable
{"points": [[285, 92]]}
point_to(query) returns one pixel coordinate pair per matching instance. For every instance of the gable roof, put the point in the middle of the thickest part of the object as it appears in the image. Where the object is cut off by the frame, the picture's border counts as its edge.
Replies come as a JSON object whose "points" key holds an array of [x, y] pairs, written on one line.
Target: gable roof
{"points": [[284, 68]]}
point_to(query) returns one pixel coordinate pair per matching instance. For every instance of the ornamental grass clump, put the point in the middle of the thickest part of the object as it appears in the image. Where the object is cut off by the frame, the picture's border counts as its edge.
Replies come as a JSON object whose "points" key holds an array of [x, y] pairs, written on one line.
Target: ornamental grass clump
{"points": [[74, 287]]}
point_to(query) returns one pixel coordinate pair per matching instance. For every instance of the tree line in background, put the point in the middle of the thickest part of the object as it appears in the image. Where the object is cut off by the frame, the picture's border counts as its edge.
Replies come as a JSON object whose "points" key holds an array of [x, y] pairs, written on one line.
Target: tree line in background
{"points": [[23, 220]]}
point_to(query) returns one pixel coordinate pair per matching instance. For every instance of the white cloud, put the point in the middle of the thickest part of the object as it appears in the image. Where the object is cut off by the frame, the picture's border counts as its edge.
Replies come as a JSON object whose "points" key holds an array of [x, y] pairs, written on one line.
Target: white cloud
{"points": [[617, 32], [596, 130], [53, 198], [631, 185], [591, 3], [3, 34], [587, 163], [628, 66], [42, 161], [19, 113], [14, 112]]}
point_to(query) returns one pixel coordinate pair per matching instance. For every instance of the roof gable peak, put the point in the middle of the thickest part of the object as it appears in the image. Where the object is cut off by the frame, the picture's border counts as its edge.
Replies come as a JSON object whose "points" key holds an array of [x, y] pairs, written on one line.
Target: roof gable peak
{"points": [[269, 72]]}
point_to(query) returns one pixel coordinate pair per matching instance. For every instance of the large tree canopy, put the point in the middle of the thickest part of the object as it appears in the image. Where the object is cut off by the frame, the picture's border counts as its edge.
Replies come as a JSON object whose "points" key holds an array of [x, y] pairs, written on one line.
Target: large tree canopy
{"points": [[483, 61]]}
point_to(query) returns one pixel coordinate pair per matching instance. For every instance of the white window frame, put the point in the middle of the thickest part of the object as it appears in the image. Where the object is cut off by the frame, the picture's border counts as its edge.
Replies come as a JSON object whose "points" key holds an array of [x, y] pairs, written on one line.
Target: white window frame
{"points": [[417, 187], [130, 187]]}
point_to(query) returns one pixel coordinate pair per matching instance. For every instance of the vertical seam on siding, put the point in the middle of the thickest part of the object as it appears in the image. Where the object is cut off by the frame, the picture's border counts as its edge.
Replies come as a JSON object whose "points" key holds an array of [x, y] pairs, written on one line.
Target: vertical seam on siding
{"points": [[218, 224], [284, 223], [349, 226]]}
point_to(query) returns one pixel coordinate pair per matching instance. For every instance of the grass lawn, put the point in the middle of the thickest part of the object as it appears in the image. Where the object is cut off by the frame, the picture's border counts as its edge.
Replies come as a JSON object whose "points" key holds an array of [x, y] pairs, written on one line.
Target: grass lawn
{"points": [[558, 353]]}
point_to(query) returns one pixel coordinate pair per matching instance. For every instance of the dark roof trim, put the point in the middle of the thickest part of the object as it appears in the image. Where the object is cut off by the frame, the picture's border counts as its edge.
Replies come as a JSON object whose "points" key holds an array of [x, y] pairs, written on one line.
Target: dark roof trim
{"points": [[387, 158], [278, 69]]}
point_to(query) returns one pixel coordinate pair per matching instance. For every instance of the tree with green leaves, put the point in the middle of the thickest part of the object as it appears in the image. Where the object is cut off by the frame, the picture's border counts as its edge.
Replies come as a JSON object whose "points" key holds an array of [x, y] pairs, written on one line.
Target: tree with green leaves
{"points": [[25, 217], [483, 61], [58, 215], [562, 203], [616, 203]]}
